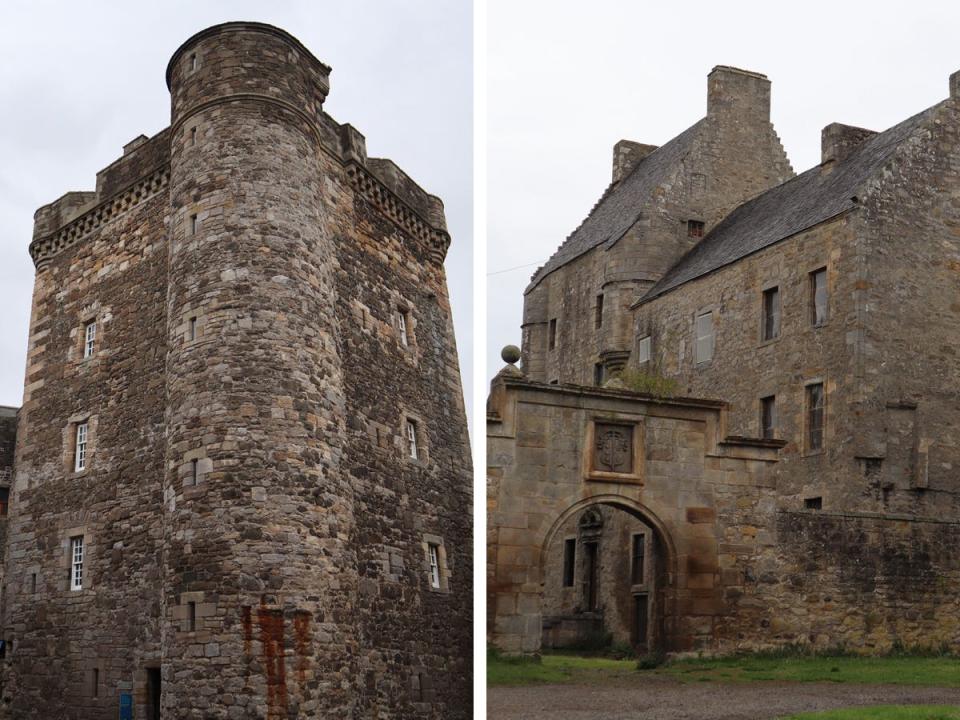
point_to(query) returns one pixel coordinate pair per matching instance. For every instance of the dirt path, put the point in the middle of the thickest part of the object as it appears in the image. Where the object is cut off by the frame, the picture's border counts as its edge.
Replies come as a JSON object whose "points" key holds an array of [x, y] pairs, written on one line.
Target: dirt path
{"points": [[668, 699]]}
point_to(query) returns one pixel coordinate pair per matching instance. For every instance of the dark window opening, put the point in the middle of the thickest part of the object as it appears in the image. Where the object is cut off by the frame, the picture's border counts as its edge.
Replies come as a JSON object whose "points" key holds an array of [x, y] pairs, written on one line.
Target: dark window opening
{"points": [[193, 136], [598, 320], [815, 407], [872, 466], [695, 228], [598, 374], [552, 337], [569, 561], [592, 576], [95, 682], [153, 693], [813, 503], [193, 224], [191, 616], [818, 297], [771, 313], [637, 560], [4, 501], [641, 620], [768, 417], [194, 471], [33, 583], [193, 328]]}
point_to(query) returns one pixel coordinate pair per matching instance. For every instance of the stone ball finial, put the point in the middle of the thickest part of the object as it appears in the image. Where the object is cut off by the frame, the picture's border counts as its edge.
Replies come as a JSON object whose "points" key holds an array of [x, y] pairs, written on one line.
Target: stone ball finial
{"points": [[510, 354]]}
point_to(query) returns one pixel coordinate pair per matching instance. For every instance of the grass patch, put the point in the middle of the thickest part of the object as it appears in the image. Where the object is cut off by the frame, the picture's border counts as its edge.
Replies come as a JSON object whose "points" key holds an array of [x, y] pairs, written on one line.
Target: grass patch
{"points": [[555, 669], [896, 670], [886, 712]]}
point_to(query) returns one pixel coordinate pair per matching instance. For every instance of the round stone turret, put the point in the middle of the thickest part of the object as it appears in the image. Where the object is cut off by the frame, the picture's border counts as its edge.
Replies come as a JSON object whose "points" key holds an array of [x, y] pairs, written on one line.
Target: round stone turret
{"points": [[259, 515]]}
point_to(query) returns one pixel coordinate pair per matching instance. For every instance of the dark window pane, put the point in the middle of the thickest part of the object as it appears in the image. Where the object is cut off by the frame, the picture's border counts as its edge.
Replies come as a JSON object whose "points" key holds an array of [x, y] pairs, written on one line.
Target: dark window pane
{"points": [[768, 417], [636, 565], [569, 560], [771, 313]]}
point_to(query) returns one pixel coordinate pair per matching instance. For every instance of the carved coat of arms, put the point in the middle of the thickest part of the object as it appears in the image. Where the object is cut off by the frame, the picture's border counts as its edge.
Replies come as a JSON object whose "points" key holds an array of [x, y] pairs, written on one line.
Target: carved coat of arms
{"points": [[613, 448]]}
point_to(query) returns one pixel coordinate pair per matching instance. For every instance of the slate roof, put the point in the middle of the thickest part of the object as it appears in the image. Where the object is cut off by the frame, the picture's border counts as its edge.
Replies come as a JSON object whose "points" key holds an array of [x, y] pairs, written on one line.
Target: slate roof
{"points": [[620, 206], [787, 209]]}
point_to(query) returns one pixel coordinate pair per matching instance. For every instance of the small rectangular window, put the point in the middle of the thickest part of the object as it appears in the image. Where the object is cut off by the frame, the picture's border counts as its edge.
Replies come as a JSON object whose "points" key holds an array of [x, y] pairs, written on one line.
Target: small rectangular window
{"points": [[33, 583], [89, 338], [80, 448], [412, 448], [569, 561], [815, 416], [95, 682], [76, 563], [695, 228], [598, 374], [637, 559], [643, 349], [704, 337], [641, 616], [552, 336], [193, 62], [402, 327], [194, 471], [191, 616], [4, 501], [768, 417], [193, 328], [771, 313], [598, 319], [193, 224], [818, 297], [813, 503], [193, 136], [434, 552]]}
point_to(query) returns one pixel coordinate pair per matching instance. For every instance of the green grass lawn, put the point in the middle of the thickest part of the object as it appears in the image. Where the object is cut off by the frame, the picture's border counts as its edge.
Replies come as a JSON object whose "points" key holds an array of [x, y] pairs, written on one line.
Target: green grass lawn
{"points": [[886, 712], [568, 668]]}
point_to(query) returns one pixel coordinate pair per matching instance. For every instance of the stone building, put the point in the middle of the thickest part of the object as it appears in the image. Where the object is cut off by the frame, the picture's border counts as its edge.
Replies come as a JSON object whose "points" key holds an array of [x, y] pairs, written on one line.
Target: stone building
{"points": [[819, 310], [242, 465]]}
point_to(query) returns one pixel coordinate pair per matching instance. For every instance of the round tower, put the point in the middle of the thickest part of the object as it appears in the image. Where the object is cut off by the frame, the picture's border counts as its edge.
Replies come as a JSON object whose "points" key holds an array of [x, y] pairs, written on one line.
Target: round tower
{"points": [[260, 577]]}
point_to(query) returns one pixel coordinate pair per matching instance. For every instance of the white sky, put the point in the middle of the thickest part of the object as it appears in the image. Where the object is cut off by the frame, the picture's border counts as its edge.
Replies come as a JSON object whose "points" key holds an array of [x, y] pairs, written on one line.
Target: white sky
{"points": [[567, 80], [80, 80]]}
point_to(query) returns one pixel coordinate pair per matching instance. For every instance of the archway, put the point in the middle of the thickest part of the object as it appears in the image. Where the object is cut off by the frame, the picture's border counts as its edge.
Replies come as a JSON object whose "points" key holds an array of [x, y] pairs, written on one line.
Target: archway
{"points": [[607, 569]]}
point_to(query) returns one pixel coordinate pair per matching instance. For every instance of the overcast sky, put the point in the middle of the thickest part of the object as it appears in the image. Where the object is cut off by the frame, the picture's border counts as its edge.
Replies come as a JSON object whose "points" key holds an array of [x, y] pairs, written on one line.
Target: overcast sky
{"points": [[567, 80], [79, 80]]}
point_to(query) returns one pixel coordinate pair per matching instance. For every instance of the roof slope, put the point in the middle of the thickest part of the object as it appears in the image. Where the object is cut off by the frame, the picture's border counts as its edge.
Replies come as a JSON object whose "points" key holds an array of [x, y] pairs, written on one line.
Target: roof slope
{"points": [[787, 209], [621, 205]]}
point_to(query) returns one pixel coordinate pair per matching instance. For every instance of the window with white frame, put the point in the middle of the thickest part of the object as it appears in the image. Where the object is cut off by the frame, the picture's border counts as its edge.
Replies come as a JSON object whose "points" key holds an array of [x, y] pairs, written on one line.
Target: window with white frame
{"points": [[433, 550], [643, 349], [89, 338], [76, 563], [705, 337], [413, 449], [402, 327], [80, 448]]}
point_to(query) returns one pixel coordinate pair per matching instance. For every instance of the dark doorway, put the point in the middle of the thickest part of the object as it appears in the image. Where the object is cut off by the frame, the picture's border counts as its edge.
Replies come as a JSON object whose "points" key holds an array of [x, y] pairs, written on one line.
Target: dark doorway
{"points": [[591, 576], [641, 621], [153, 693]]}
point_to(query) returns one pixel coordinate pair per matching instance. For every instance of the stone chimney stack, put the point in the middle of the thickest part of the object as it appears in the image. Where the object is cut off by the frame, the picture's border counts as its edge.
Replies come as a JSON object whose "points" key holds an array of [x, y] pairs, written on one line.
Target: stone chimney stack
{"points": [[837, 141], [626, 155], [955, 85], [731, 91]]}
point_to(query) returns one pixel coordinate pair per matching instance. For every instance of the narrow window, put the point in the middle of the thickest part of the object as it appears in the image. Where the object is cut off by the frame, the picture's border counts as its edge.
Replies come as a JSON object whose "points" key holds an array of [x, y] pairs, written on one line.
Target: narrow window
{"points": [[193, 136], [705, 338], [768, 417], [434, 552], [598, 320], [80, 449], [191, 616], [4, 501], [695, 228], [815, 416], [76, 563], [89, 338], [771, 313], [194, 472], [412, 449], [569, 560], [598, 374], [33, 583], [641, 617], [643, 350], [818, 297], [591, 571], [193, 224], [813, 503], [95, 682], [193, 62], [552, 337], [193, 328], [637, 559], [402, 327]]}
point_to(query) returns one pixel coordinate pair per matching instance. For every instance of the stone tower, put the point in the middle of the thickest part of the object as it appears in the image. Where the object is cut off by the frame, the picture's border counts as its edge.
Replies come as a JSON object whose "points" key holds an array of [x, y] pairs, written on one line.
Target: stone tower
{"points": [[274, 432]]}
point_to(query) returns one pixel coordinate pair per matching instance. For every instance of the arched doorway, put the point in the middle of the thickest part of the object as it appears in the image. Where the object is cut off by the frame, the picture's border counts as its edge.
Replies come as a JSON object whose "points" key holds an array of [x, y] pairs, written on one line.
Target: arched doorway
{"points": [[607, 569]]}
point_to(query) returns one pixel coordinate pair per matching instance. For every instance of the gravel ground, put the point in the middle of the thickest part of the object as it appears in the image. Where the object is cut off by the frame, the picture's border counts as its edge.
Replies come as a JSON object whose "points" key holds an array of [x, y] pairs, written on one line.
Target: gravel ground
{"points": [[668, 699]]}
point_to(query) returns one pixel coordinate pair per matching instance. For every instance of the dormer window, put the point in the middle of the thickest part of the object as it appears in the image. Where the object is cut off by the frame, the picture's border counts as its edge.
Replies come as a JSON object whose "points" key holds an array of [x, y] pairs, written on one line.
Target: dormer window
{"points": [[695, 228]]}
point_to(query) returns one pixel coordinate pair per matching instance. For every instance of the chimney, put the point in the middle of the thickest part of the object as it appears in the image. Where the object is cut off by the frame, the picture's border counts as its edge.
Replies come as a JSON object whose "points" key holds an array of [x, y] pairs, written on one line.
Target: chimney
{"points": [[955, 85], [626, 155], [731, 91], [837, 141], [134, 144]]}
